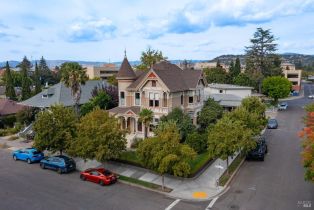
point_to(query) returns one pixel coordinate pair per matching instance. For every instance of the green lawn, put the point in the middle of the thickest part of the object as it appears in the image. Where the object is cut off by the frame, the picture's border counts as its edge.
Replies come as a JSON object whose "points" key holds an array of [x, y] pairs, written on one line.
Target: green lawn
{"points": [[197, 164]]}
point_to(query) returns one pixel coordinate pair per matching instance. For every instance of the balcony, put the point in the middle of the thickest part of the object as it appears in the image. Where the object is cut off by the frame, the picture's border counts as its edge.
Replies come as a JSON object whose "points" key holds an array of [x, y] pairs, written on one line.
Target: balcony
{"points": [[160, 110]]}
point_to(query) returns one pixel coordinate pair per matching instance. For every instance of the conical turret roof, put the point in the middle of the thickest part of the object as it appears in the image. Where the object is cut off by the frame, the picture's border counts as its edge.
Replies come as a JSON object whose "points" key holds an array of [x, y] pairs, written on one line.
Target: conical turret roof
{"points": [[126, 71]]}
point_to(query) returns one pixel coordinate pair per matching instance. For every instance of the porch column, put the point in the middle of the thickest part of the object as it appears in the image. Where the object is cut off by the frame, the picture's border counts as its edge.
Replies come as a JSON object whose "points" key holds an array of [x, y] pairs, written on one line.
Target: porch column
{"points": [[125, 123]]}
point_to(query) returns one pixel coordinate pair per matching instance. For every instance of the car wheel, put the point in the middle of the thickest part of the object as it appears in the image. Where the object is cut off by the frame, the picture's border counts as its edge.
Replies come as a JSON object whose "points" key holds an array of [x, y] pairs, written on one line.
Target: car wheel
{"points": [[262, 158], [59, 171], [42, 166], [14, 158], [266, 151], [101, 182], [29, 161], [82, 177]]}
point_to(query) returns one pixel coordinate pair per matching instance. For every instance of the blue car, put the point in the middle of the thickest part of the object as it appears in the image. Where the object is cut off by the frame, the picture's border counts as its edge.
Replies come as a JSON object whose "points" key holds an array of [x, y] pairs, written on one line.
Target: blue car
{"points": [[29, 155], [60, 163]]}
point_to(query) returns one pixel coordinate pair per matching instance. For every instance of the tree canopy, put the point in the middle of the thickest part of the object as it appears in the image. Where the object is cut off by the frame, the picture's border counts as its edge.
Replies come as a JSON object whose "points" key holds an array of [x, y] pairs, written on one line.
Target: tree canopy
{"points": [[228, 136], [149, 58], [25, 66], [37, 82], [215, 75], [182, 120], [9, 86], [98, 137], [210, 113], [146, 117], [55, 128], [101, 100], [276, 87], [73, 76], [164, 153]]}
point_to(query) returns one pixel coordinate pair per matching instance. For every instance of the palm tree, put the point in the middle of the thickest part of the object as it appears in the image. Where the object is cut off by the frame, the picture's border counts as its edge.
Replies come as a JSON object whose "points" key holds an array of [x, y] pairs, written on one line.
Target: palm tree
{"points": [[146, 116], [73, 76]]}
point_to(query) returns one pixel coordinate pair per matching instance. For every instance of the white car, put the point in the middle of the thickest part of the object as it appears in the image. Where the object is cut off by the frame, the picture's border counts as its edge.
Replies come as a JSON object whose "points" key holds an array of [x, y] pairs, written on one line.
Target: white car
{"points": [[311, 96], [283, 106]]}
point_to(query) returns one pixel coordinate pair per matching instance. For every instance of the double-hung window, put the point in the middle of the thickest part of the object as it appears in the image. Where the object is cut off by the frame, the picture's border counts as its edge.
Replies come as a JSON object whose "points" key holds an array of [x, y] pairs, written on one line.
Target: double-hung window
{"points": [[122, 98], [154, 99], [137, 99]]}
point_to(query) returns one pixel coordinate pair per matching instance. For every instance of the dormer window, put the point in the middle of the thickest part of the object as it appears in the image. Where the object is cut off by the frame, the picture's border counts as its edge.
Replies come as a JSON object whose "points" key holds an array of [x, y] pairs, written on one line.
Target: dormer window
{"points": [[153, 83]]}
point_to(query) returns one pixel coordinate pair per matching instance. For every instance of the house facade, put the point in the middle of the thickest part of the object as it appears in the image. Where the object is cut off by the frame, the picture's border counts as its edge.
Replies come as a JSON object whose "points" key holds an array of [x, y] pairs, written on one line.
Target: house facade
{"points": [[162, 88], [228, 96]]}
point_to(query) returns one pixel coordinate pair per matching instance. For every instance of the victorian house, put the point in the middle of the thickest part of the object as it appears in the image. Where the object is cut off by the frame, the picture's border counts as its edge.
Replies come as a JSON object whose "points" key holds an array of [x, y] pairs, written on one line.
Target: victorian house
{"points": [[162, 88]]}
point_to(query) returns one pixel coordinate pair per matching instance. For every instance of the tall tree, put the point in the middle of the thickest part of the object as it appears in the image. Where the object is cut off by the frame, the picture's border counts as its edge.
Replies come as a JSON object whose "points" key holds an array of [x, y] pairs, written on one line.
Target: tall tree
{"points": [[55, 129], [237, 67], [98, 137], [25, 66], [277, 87], [46, 75], [146, 116], [244, 80], [222, 144], [9, 86], [164, 153], [149, 58], [73, 76], [37, 79], [260, 56]]}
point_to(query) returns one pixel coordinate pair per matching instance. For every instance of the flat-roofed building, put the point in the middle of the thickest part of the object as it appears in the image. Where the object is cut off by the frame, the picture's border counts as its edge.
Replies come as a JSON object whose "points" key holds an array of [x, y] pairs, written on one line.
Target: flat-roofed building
{"points": [[103, 72]]}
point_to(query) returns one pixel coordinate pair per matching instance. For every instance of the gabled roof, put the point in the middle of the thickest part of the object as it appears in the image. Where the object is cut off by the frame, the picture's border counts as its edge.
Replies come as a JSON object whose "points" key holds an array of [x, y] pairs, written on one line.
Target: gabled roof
{"points": [[10, 107], [172, 76], [227, 100], [60, 94], [126, 71]]}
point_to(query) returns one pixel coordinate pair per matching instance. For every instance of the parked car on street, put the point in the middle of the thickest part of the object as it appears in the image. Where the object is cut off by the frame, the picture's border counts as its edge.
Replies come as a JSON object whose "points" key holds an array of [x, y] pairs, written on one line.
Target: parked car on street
{"points": [[311, 96], [282, 106], [258, 153], [60, 163], [272, 124], [99, 175], [30, 155]]}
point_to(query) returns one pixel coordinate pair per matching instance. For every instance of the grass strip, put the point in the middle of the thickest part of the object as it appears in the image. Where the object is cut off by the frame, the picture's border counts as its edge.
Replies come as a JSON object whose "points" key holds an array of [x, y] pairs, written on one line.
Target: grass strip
{"points": [[143, 183], [232, 167]]}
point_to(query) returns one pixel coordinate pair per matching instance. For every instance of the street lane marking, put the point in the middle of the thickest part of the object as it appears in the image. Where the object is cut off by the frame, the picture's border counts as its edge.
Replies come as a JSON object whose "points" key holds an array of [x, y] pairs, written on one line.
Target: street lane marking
{"points": [[173, 204], [210, 205]]}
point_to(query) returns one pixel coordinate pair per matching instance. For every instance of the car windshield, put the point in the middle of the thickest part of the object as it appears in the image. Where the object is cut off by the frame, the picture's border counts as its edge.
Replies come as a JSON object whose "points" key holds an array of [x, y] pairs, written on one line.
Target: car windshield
{"points": [[272, 121], [107, 172], [36, 152]]}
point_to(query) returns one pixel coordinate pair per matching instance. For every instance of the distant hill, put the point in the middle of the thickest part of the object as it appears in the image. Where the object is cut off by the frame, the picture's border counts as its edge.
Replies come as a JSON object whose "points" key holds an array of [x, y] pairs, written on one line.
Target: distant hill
{"points": [[300, 60]]}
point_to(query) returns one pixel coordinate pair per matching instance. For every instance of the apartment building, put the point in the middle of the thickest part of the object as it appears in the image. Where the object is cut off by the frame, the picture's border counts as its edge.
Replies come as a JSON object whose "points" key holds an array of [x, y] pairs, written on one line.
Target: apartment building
{"points": [[292, 74], [103, 72]]}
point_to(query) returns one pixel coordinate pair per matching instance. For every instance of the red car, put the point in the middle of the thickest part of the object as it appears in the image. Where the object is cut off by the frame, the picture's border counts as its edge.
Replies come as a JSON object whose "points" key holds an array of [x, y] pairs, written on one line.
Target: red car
{"points": [[99, 175]]}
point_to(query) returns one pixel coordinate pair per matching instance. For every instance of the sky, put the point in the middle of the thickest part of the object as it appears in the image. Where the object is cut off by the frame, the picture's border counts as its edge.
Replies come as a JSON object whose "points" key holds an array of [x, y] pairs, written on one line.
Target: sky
{"points": [[100, 30]]}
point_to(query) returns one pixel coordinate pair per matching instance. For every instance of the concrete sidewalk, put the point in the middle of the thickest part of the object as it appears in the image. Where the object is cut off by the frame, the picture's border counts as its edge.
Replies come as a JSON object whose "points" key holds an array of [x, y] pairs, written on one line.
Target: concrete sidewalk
{"points": [[203, 187]]}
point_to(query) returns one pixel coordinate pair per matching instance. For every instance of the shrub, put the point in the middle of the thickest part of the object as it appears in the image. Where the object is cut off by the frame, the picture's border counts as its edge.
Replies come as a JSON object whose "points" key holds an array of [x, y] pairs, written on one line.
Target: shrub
{"points": [[197, 141]]}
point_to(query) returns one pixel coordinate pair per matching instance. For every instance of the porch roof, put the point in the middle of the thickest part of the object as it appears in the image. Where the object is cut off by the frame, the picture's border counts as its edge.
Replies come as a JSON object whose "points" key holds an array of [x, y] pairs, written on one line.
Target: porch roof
{"points": [[125, 110]]}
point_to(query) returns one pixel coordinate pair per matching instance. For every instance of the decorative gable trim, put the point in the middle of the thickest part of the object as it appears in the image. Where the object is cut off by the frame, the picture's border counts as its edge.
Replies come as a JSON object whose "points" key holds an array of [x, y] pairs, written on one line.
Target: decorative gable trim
{"points": [[152, 75], [130, 112]]}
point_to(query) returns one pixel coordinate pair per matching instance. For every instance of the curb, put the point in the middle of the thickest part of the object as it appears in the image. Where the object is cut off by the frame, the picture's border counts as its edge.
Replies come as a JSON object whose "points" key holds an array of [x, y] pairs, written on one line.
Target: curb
{"points": [[235, 172], [142, 187]]}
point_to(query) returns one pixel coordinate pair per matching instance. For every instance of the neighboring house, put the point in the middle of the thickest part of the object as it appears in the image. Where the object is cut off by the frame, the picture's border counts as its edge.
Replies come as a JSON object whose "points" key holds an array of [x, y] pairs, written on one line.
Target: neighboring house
{"points": [[228, 96], [160, 89], [60, 94], [103, 72], [293, 75], [9, 107]]}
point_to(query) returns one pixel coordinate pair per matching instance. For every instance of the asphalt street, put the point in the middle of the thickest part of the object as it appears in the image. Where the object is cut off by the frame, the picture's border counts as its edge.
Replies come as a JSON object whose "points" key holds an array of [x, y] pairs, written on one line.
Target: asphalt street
{"points": [[277, 183], [28, 187]]}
